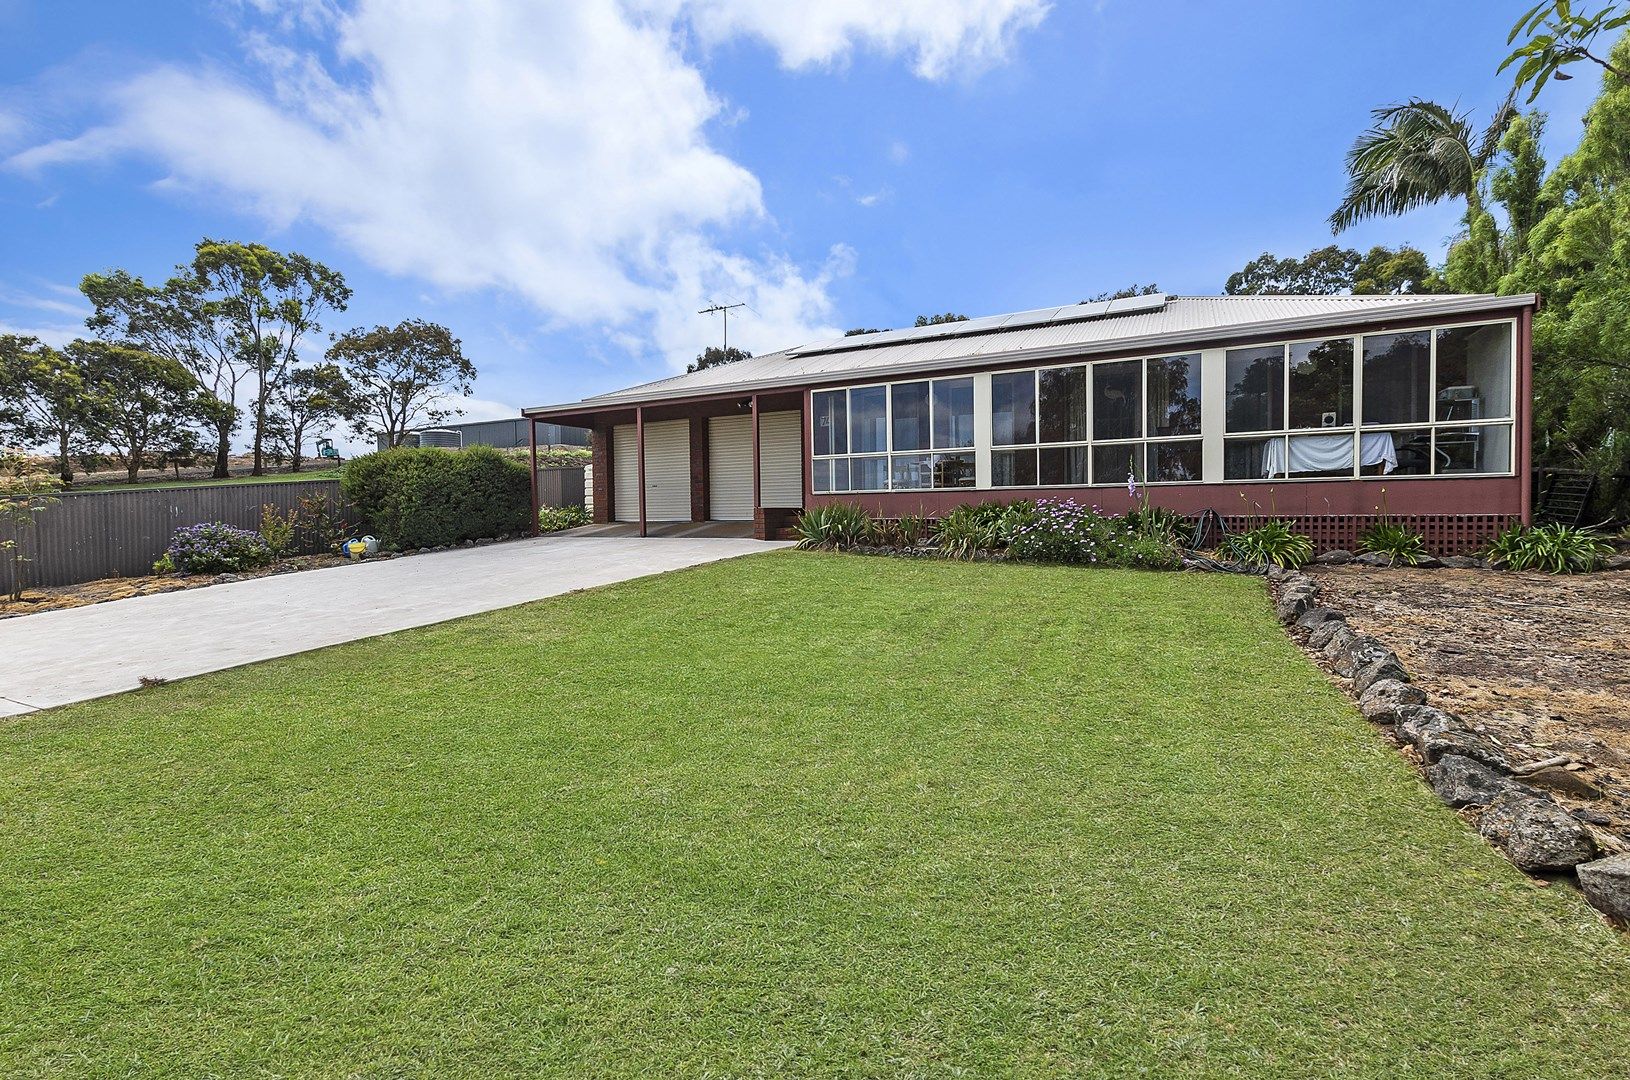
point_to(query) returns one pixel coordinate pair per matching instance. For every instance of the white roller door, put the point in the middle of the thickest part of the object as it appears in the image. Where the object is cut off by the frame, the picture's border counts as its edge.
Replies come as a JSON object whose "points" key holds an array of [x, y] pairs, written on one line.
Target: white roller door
{"points": [[667, 471], [625, 475], [781, 460], [730, 468]]}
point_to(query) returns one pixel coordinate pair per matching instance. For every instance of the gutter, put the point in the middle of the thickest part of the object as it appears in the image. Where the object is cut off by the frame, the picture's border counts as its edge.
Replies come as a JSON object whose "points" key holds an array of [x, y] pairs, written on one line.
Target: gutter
{"points": [[1148, 343]]}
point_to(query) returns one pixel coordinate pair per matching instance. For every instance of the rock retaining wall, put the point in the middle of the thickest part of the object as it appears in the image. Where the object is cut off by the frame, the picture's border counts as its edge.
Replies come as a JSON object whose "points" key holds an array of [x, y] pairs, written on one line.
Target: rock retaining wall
{"points": [[1472, 772]]}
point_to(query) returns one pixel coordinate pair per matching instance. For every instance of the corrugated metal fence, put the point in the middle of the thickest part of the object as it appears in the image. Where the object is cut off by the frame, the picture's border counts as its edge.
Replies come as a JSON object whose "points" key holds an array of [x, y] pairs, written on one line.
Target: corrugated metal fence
{"points": [[93, 535], [561, 486]]}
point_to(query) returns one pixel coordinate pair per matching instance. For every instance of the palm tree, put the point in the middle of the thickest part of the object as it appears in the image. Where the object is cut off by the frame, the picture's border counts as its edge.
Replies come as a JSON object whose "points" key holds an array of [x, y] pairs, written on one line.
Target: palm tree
{"points": [[1417, 154]]}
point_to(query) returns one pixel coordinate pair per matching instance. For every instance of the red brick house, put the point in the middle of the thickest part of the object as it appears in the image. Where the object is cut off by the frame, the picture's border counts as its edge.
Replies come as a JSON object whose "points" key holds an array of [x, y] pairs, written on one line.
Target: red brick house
{"points": [[1304, 407]]}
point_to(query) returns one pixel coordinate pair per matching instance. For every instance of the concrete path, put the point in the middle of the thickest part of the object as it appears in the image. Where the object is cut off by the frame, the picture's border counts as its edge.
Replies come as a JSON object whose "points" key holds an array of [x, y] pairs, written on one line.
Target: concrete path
{"points": [[57, 657]]}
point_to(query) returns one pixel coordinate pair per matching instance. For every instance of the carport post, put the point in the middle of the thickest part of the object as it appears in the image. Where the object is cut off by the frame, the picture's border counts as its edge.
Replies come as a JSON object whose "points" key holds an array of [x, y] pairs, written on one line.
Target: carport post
{"points": [[755, 454], [639, 452], [532, 431]]}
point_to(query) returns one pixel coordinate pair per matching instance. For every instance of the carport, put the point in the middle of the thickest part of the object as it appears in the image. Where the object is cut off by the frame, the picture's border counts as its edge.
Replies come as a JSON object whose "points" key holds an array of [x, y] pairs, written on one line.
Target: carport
{"points": [[734, 459]]}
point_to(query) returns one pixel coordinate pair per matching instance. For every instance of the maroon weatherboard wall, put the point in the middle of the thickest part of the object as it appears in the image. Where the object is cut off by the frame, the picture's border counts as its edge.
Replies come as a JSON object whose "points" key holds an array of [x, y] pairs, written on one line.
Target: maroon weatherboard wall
{"points": [[1455, 514]]}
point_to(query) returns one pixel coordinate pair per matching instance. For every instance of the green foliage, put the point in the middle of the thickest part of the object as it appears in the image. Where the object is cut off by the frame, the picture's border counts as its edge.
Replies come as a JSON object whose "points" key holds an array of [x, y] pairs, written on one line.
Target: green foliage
{"points": [[833, 526], [1555, 548], [215, 547], [24, 493], [906, 531], [142, 404], [44, 399], [1567, 39], [1159, 522], [401, 376], [713, 356], [1270, 542], [278, 529], [164, 565], [1064, 531], [1414, 155], [1403, 546], [1123, 293], [556, 518], [939, 320], [970, 529], [1332, 269], [413, 497]]}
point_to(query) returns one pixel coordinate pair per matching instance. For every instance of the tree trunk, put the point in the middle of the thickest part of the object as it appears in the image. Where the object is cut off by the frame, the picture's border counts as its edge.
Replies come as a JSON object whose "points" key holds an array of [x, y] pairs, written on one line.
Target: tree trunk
{"points": [[133, 466], [223, 450], [65, 467], [260, 427]]}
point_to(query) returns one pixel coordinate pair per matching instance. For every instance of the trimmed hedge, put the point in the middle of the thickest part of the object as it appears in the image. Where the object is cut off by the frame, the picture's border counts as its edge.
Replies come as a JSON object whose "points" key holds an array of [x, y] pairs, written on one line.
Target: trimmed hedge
{"points": [[414, 497]]}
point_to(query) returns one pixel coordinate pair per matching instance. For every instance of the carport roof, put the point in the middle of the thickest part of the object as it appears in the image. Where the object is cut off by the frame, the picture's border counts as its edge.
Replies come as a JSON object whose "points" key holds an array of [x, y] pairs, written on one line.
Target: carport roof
{"points": [[1135, 324]]}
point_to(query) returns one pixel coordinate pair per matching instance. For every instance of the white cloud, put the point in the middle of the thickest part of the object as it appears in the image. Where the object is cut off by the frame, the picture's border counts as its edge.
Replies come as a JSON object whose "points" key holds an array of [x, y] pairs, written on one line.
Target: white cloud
{"points": [[899, 152], [55, 335], [944, 37], [557, 151]]}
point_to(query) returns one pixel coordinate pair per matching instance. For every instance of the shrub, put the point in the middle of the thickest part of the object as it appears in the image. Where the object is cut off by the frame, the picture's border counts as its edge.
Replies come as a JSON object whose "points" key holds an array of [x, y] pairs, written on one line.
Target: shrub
{"points": [[1555, 549], [835, 525], [429, 497], [278, 529], [556, 518], [1403, 546], [1273, 541], [215, 548], [319, 527], [1159, 522], [1064, 531], [906, 531], [970, 529]]}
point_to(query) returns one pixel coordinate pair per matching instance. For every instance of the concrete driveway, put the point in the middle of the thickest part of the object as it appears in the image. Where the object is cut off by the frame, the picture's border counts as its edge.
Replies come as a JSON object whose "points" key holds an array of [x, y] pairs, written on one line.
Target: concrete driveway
{"points": [[58, 657]]}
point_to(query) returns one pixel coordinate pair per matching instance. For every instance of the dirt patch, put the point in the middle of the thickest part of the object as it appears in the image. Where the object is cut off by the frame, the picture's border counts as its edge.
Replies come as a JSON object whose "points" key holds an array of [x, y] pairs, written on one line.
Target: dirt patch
{"points": [[121, 588], [1542, 663]]}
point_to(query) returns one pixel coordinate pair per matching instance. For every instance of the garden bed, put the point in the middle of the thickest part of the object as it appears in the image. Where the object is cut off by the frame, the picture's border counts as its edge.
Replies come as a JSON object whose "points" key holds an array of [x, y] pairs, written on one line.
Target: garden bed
{"points": [[1540, 662]]}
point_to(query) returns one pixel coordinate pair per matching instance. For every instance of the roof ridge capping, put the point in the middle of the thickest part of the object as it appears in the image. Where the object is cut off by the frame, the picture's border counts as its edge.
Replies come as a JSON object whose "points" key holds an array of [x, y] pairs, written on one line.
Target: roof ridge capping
{"points": [[989, 324]]}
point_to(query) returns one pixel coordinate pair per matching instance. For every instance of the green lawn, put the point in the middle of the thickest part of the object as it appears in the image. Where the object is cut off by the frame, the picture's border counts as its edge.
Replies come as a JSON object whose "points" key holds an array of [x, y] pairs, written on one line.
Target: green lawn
{"points": [[269, 478], [794, 813]]}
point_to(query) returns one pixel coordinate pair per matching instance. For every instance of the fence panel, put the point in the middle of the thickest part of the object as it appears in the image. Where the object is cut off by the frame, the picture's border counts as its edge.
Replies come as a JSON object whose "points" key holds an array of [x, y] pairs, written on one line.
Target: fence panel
{"points": [[561, 486], [90, 535]]}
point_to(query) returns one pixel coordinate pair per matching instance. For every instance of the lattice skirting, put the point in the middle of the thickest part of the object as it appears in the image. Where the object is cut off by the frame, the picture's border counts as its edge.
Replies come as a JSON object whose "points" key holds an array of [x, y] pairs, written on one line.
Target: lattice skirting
{"points": [[1445, 534]]}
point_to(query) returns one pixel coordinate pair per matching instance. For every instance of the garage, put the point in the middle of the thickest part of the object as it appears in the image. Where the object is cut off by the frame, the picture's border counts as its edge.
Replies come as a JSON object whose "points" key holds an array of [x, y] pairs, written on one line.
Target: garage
{"points": [[730, 468], [667, 471]]}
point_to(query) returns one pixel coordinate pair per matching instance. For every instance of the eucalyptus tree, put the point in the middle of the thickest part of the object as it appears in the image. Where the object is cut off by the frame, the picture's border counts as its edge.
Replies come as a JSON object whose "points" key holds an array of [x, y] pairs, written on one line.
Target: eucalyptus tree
{"points": [[401, 376], [44, 400], [237, 314]]}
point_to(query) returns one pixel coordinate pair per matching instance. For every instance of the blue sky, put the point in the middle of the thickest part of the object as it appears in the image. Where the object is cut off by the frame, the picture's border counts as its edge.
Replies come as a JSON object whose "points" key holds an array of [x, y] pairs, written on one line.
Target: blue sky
{"points": [[564, 184]]}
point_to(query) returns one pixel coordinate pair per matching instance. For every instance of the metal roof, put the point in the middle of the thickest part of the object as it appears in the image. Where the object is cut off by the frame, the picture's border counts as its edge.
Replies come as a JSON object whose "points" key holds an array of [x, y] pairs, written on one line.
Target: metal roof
{"points": [[1136, 324]]}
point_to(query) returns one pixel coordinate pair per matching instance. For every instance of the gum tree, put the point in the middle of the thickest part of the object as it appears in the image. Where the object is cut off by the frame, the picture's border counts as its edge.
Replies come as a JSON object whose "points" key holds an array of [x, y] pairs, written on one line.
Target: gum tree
{"points": [[43, 400], [401, 376]]}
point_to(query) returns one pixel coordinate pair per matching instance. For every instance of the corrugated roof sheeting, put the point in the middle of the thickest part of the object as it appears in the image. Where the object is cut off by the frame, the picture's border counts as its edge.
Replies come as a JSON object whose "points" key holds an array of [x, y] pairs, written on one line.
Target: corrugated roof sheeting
{"points": [[1197, 316]]}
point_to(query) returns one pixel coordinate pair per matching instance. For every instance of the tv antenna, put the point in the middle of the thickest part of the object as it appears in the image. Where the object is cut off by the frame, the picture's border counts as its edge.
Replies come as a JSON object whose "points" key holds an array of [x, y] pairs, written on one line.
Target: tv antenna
{"points": [[722, 309]]}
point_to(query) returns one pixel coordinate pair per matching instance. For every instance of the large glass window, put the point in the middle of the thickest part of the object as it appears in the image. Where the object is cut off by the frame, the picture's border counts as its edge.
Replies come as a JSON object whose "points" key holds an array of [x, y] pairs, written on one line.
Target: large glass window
{"points": [[831, 423], [1256, 388], [1013, 408], [953, 414], [1321, 384], [1474, 372], [868, 419], [1398, 378], [1063, 404], [1117, 400], [910, 404], [1174, 396]]}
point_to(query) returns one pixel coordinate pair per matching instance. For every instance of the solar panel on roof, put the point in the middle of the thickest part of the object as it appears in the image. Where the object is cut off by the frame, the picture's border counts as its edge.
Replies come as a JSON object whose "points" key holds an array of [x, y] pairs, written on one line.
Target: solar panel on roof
{"points": [[1069, 313]]}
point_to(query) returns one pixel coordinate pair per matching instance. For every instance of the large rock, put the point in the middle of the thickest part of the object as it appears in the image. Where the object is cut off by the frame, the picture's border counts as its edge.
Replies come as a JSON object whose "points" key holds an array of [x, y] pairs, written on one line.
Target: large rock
{"points": [[1372, 558], [1461, 781], [1321, 635], [1315, 617], [1462, 562], [1335, 557], [1379, 668], [1381, 702], [1536, 834], [1362, 651], [1293, 603], [1434, 745], [1607, 884], [1616, 562], [1428, 562], [1416, 722], [1335, 646]]}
